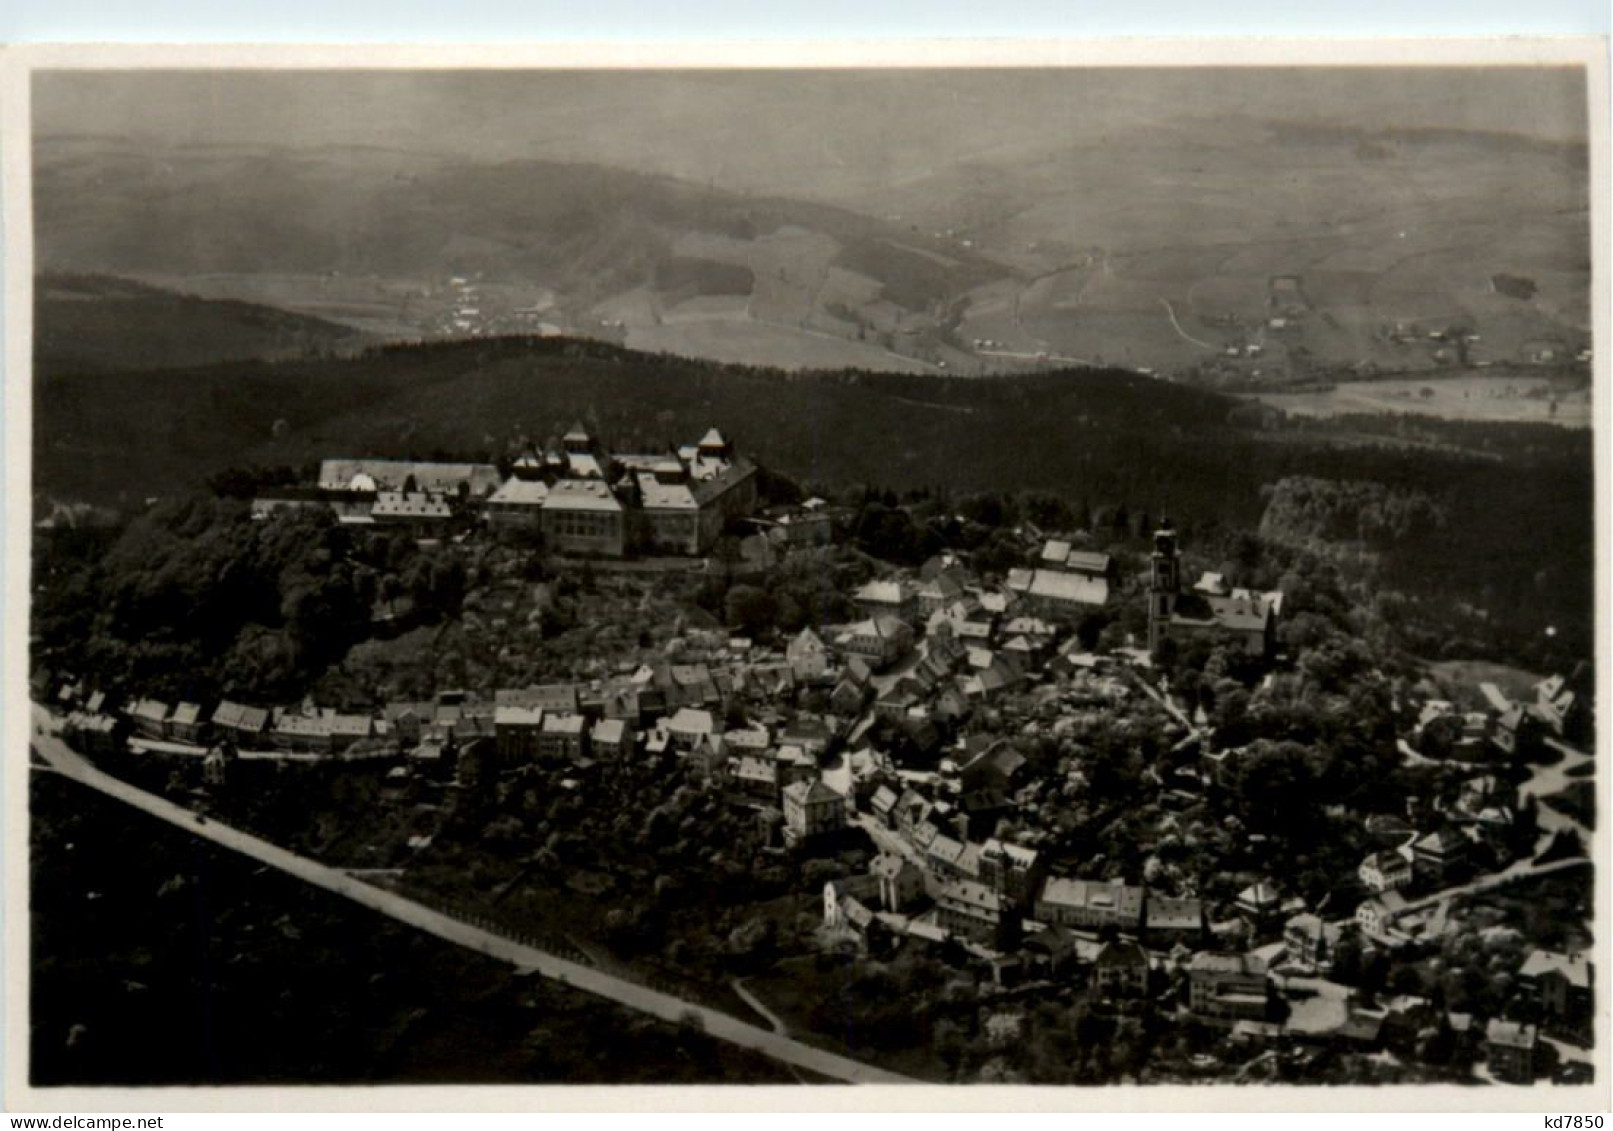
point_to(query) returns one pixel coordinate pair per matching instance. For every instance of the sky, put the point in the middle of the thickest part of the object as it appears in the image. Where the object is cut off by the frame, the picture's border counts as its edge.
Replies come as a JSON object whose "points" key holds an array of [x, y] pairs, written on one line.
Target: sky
{"points": [[766, 130]]}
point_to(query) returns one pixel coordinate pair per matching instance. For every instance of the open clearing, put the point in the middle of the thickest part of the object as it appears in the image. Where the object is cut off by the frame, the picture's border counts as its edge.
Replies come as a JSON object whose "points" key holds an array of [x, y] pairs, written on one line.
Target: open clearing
{"points": [[1510, 398], [747, 342]]}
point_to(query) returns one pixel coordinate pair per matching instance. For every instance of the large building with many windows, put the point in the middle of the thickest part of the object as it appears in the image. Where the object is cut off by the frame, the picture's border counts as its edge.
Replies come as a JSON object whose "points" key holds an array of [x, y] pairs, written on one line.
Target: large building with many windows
{"points": [[585, 501], [611, 504]]}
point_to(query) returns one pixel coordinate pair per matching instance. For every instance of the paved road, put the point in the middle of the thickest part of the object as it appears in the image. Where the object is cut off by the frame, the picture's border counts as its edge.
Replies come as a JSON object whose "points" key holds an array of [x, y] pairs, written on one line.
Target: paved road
{"points": [[1521, 870], [631, 994], [886, 839]]}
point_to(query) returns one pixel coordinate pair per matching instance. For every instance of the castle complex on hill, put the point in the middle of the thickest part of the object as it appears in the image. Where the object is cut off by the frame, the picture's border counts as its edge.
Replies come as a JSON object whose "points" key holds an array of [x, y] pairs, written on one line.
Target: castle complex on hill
{"points": [[584, 500]]}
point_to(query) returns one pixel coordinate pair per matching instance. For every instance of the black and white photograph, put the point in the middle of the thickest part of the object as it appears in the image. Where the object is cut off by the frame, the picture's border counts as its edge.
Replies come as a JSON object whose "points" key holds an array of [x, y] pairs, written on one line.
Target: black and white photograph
{"points": [[1065, 571]]}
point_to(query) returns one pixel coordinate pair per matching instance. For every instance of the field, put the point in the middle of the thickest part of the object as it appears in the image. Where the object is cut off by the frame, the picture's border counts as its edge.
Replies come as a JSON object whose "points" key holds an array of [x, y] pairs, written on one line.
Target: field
{"points": [[733, 337], [1127, 235], [1513, 397], [385, 308], [1460, 680]]}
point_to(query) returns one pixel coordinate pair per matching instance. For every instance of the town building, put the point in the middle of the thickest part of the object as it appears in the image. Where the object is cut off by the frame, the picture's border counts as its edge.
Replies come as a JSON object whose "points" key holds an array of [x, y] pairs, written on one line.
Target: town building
{"points": [[1244, 619], [846, 902], [562, 737], [348, 730], [1062, 596], [1377, 916], [1509, 1049], [1121, 969], [808, 656], [516, 733], [518, 504], [1225, 988], [150, 718], [1388, 870], [1090, 904], [880, 640], [901, 882], [802, 526], [92, 732], [892, 597], [812, 809], [1013, 871], [1562, 984], [246, 725], [691, 725], [1171, 921], [1260, 902], [421, 512], [302, 733], [1059, 554], [969, 909], [188, 723], [611, 738], [1439, 853], [369, 477], [1309, 940]]}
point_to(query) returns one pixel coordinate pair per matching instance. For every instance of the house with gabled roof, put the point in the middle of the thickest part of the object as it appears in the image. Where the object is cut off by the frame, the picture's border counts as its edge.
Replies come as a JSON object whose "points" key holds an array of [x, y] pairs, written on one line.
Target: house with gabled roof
{"points": [[1172, 921], [969, 909], [349, 729], [690, 725], [1121, 969], [611, 738], [1561, 983], [188, 723], [1509, 1048], [150, 718], [901, 882], [562, 736], [1225, 988], [892, 597], [1090, 904], [515, 732], [1386, 870], [1378, 915], [808, 656], [883, 806], [812, 809], [1440, 852], [880, 640], [245, 724]]}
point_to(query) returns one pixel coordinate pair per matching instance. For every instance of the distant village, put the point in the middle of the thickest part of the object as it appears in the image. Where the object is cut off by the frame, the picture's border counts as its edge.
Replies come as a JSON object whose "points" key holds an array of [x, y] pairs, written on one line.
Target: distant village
{"points": [[903, 730]]}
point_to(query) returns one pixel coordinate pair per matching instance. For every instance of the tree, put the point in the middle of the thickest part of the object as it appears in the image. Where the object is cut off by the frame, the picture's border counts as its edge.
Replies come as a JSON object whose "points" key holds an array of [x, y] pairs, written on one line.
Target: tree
{"points": [[750, 609]]}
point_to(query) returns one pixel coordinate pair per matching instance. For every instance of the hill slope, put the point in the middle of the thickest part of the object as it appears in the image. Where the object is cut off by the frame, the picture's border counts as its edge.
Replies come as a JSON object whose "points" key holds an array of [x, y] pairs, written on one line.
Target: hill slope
{"points": [[1105, 437], [409, 245], [96, 322]]}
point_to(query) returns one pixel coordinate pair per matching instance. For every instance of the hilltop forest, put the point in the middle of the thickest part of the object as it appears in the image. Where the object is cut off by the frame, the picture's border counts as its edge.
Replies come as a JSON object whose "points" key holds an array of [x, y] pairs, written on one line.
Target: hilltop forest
{"points": [[1487, 527]]}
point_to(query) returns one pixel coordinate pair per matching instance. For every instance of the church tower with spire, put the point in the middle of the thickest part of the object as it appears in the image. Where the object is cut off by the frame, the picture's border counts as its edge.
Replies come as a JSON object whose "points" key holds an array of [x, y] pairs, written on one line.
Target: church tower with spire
{"points": [[1164, 585]]}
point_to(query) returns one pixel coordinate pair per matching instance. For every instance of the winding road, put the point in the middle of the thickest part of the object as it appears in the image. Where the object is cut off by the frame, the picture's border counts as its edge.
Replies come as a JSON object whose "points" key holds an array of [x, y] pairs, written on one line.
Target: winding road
{"points": [[633, 995]]}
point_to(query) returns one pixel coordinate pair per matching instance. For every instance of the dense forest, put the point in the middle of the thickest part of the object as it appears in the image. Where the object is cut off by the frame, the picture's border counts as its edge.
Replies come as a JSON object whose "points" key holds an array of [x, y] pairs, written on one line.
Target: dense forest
{"points": [[1438, 507], [172, 966]]}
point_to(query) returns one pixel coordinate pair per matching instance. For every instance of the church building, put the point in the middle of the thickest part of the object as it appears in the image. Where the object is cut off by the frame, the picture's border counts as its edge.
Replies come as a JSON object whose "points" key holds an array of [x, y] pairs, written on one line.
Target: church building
{"points": [[1241, 617]]}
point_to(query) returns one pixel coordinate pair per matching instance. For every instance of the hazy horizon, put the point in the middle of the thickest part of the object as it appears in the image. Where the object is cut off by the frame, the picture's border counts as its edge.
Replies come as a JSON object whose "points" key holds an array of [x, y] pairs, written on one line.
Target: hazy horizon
{"points": [[821, 134]]}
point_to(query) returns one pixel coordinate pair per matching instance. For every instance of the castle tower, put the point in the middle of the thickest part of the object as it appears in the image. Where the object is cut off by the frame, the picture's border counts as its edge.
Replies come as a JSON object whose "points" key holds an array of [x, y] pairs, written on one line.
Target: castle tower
{"points": [[1164, 583]]}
